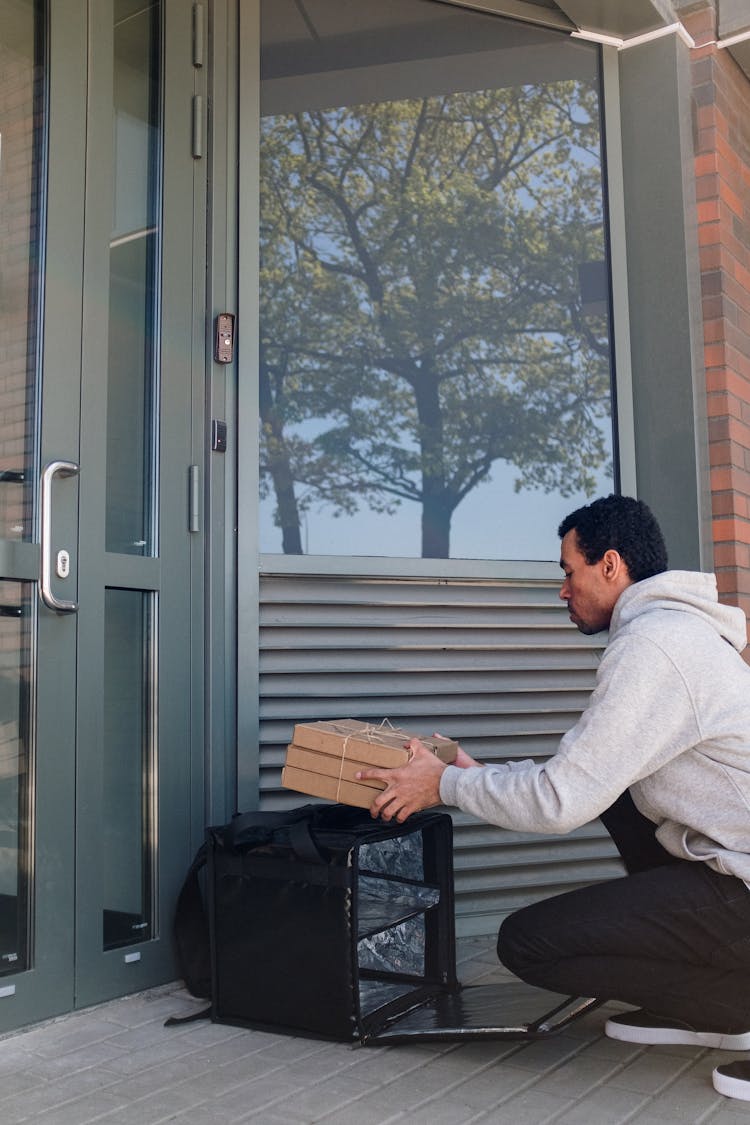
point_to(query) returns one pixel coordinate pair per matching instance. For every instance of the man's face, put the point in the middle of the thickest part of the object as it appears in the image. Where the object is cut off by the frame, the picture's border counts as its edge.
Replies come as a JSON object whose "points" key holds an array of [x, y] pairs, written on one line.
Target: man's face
{"points": [[589, 590]]}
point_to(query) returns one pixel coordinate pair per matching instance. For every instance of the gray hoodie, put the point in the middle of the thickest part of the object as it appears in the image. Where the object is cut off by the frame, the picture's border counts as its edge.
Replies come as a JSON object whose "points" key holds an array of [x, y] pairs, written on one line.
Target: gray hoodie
{"points": [[669, 718]]}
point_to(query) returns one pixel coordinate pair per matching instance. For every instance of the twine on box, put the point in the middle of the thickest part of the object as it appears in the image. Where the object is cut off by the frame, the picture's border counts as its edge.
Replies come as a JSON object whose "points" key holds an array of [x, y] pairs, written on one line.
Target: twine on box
{"points": [[369, 733]]}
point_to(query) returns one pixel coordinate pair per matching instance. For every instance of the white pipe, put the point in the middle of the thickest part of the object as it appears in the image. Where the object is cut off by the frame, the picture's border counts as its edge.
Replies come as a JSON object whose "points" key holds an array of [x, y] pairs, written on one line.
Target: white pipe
{"points": [[596, 37], [672, 28], [636, 40], [732, 39]]}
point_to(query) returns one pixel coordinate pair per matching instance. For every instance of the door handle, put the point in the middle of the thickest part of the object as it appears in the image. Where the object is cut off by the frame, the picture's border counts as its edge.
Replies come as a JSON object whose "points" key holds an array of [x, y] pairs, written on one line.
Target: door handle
{"points": [[54, 469]]}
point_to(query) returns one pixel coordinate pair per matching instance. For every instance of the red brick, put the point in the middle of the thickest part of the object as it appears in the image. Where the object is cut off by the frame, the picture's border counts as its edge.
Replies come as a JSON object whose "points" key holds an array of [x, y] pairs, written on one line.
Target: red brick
{"points": [[739, 425], [724, 379], [736, 250], [722, 454], [713, 257], [706, 138], [714, 330], [730, 478], [715, 307], [718, 405], [708, 211], [731, 555], [709, 233], [708, 187], [700, 22], [731, 531], [714, 355], [707, 163], [741, 582], [734, 359], [725, 150], [735, 291], [730, 427], [730, 504], [727, 157]]}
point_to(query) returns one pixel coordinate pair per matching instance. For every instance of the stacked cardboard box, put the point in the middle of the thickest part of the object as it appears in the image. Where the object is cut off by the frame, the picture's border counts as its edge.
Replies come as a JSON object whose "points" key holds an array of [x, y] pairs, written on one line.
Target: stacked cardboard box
{"points": [[323, 759]]}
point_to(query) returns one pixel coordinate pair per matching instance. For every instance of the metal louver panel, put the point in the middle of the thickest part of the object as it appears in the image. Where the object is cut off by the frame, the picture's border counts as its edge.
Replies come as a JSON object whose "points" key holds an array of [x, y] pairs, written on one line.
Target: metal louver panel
{"points": [[495, 664]]}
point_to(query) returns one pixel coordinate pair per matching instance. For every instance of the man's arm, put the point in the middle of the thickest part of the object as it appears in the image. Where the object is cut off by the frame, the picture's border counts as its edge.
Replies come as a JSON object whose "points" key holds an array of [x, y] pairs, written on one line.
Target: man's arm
{"points": [[639, 717]]}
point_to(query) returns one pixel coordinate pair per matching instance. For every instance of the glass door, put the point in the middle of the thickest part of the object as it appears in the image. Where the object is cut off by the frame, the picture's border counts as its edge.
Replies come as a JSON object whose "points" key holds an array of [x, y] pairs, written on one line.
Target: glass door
{"points": [[38, 645], [101, 358]]}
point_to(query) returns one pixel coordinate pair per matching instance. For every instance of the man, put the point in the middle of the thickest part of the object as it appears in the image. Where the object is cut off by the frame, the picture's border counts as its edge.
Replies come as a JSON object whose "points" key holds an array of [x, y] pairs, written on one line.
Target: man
{"points": [[662, 755]]}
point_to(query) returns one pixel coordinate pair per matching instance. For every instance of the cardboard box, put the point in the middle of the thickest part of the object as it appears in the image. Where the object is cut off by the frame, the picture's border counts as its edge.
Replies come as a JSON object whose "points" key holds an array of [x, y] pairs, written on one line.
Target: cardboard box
{"points": [[330, 765], [381, 745], [323, 758], [321, 785]]}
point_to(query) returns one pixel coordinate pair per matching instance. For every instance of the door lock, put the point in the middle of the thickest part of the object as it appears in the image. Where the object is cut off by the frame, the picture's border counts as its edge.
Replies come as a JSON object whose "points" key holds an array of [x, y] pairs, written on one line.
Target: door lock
{"points": [[62, 564]]}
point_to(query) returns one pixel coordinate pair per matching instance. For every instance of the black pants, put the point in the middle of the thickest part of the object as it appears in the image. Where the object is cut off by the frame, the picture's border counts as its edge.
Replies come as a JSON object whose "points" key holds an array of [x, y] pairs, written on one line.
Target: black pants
{"points": [[671, 936]]}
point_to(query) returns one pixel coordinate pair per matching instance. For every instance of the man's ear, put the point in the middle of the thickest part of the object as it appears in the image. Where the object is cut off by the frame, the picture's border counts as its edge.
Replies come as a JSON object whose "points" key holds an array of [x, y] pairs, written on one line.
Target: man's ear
{"points": [[613, 564]]}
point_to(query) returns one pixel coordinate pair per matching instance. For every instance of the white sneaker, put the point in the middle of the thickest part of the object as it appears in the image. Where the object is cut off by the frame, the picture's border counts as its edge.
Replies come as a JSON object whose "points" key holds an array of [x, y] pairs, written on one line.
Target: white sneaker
{"points": [[733, 1080], [645, 1027]]}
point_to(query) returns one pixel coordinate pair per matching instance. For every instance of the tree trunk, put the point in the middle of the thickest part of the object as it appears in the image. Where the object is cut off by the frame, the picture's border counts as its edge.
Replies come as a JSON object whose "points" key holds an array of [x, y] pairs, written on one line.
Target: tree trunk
{"points": [[436, 510], [436, 528], [280, 469], [283, 483]]}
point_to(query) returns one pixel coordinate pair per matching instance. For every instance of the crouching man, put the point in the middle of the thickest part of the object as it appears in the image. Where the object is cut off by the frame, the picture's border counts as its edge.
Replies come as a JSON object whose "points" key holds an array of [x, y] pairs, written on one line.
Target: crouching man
{"points": [[662, 755]]}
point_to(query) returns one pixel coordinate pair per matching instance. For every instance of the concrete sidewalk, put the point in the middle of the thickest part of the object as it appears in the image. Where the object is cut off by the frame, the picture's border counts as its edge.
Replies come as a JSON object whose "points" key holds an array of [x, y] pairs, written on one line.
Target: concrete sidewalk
{"points": [[118, 1065]]}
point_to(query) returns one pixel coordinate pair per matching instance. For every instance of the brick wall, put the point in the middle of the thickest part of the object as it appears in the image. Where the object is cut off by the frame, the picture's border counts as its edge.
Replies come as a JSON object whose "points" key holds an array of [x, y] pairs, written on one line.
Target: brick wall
{"points": [[721, 106]]}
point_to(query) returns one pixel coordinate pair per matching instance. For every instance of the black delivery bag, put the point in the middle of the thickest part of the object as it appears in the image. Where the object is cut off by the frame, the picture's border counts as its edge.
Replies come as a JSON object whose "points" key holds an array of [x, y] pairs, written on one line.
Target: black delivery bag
{"points": [[329, 923]]}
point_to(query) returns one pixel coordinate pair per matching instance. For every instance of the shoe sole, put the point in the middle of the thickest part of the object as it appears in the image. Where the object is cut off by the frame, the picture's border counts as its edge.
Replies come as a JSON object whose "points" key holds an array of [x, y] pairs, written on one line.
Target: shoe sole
{"points": [[731, 1087], [655, 1036]]}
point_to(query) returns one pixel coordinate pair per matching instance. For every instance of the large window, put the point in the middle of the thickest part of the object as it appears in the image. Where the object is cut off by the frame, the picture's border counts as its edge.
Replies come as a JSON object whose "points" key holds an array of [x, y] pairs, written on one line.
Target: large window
{"points": [[435, 360]]}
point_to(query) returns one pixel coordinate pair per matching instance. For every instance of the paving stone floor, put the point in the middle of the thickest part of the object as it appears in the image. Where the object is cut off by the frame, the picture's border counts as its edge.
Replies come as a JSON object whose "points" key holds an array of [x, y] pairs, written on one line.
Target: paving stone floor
{"points": [[116, 1064]]}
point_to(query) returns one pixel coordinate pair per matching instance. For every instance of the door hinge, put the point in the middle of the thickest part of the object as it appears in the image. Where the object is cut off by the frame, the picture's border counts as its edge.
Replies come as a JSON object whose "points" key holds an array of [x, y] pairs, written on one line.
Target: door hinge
{"points": [[198, 39], [197, 126], [194, 498]]}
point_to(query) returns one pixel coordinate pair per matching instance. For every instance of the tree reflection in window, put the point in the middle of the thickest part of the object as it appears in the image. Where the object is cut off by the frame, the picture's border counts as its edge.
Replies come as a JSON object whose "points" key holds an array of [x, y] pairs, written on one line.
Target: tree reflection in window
{"points": [[433, 305]]}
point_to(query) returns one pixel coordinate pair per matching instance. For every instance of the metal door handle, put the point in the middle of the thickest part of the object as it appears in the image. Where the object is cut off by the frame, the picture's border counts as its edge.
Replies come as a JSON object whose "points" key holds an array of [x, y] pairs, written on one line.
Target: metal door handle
{"points": [[54, 469]]}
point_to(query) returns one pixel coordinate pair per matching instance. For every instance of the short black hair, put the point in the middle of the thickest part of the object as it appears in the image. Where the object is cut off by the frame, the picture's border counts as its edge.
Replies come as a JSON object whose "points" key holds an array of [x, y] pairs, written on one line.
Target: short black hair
{"points": [[622, 524]]}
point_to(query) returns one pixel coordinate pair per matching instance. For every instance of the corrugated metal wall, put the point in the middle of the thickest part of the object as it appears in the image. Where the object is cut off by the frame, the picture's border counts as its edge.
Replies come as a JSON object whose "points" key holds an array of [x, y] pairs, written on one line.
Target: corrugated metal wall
{"points": [[495, 664]]}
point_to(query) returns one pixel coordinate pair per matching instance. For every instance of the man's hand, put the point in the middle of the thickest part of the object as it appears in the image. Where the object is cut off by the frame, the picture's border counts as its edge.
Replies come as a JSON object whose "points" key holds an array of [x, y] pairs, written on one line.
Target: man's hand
{"points": [[409, 788], [464, 761]]}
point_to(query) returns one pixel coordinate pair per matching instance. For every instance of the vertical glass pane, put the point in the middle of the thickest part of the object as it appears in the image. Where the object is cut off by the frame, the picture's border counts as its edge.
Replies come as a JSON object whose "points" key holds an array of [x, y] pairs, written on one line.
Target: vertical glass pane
{"points": [[128, 767], [21, 136], [435, 356], [133, 286], [15, 774]]}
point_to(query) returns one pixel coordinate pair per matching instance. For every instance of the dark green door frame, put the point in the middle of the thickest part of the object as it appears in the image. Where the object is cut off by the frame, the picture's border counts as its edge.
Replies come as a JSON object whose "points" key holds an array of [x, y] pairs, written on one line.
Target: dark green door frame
{"points": [[139, 608]]}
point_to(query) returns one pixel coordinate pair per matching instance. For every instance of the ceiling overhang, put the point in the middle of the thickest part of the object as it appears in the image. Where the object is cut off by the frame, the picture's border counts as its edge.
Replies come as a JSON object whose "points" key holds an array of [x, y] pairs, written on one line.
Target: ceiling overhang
{"points": [[734, 31], [624, 23], [619, 20]]}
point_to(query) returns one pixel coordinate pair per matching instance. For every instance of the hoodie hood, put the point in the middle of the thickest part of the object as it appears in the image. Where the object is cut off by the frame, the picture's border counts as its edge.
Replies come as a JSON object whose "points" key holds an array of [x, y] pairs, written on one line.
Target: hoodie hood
{"points": [[688, 591]]}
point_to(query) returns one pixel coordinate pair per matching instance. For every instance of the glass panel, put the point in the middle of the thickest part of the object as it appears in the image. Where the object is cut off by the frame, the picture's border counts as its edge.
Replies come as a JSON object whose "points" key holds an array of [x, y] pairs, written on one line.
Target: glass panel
{"points": [[133, 286], [22, 127], [435, 360], [16, 600], [128, 767]]}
